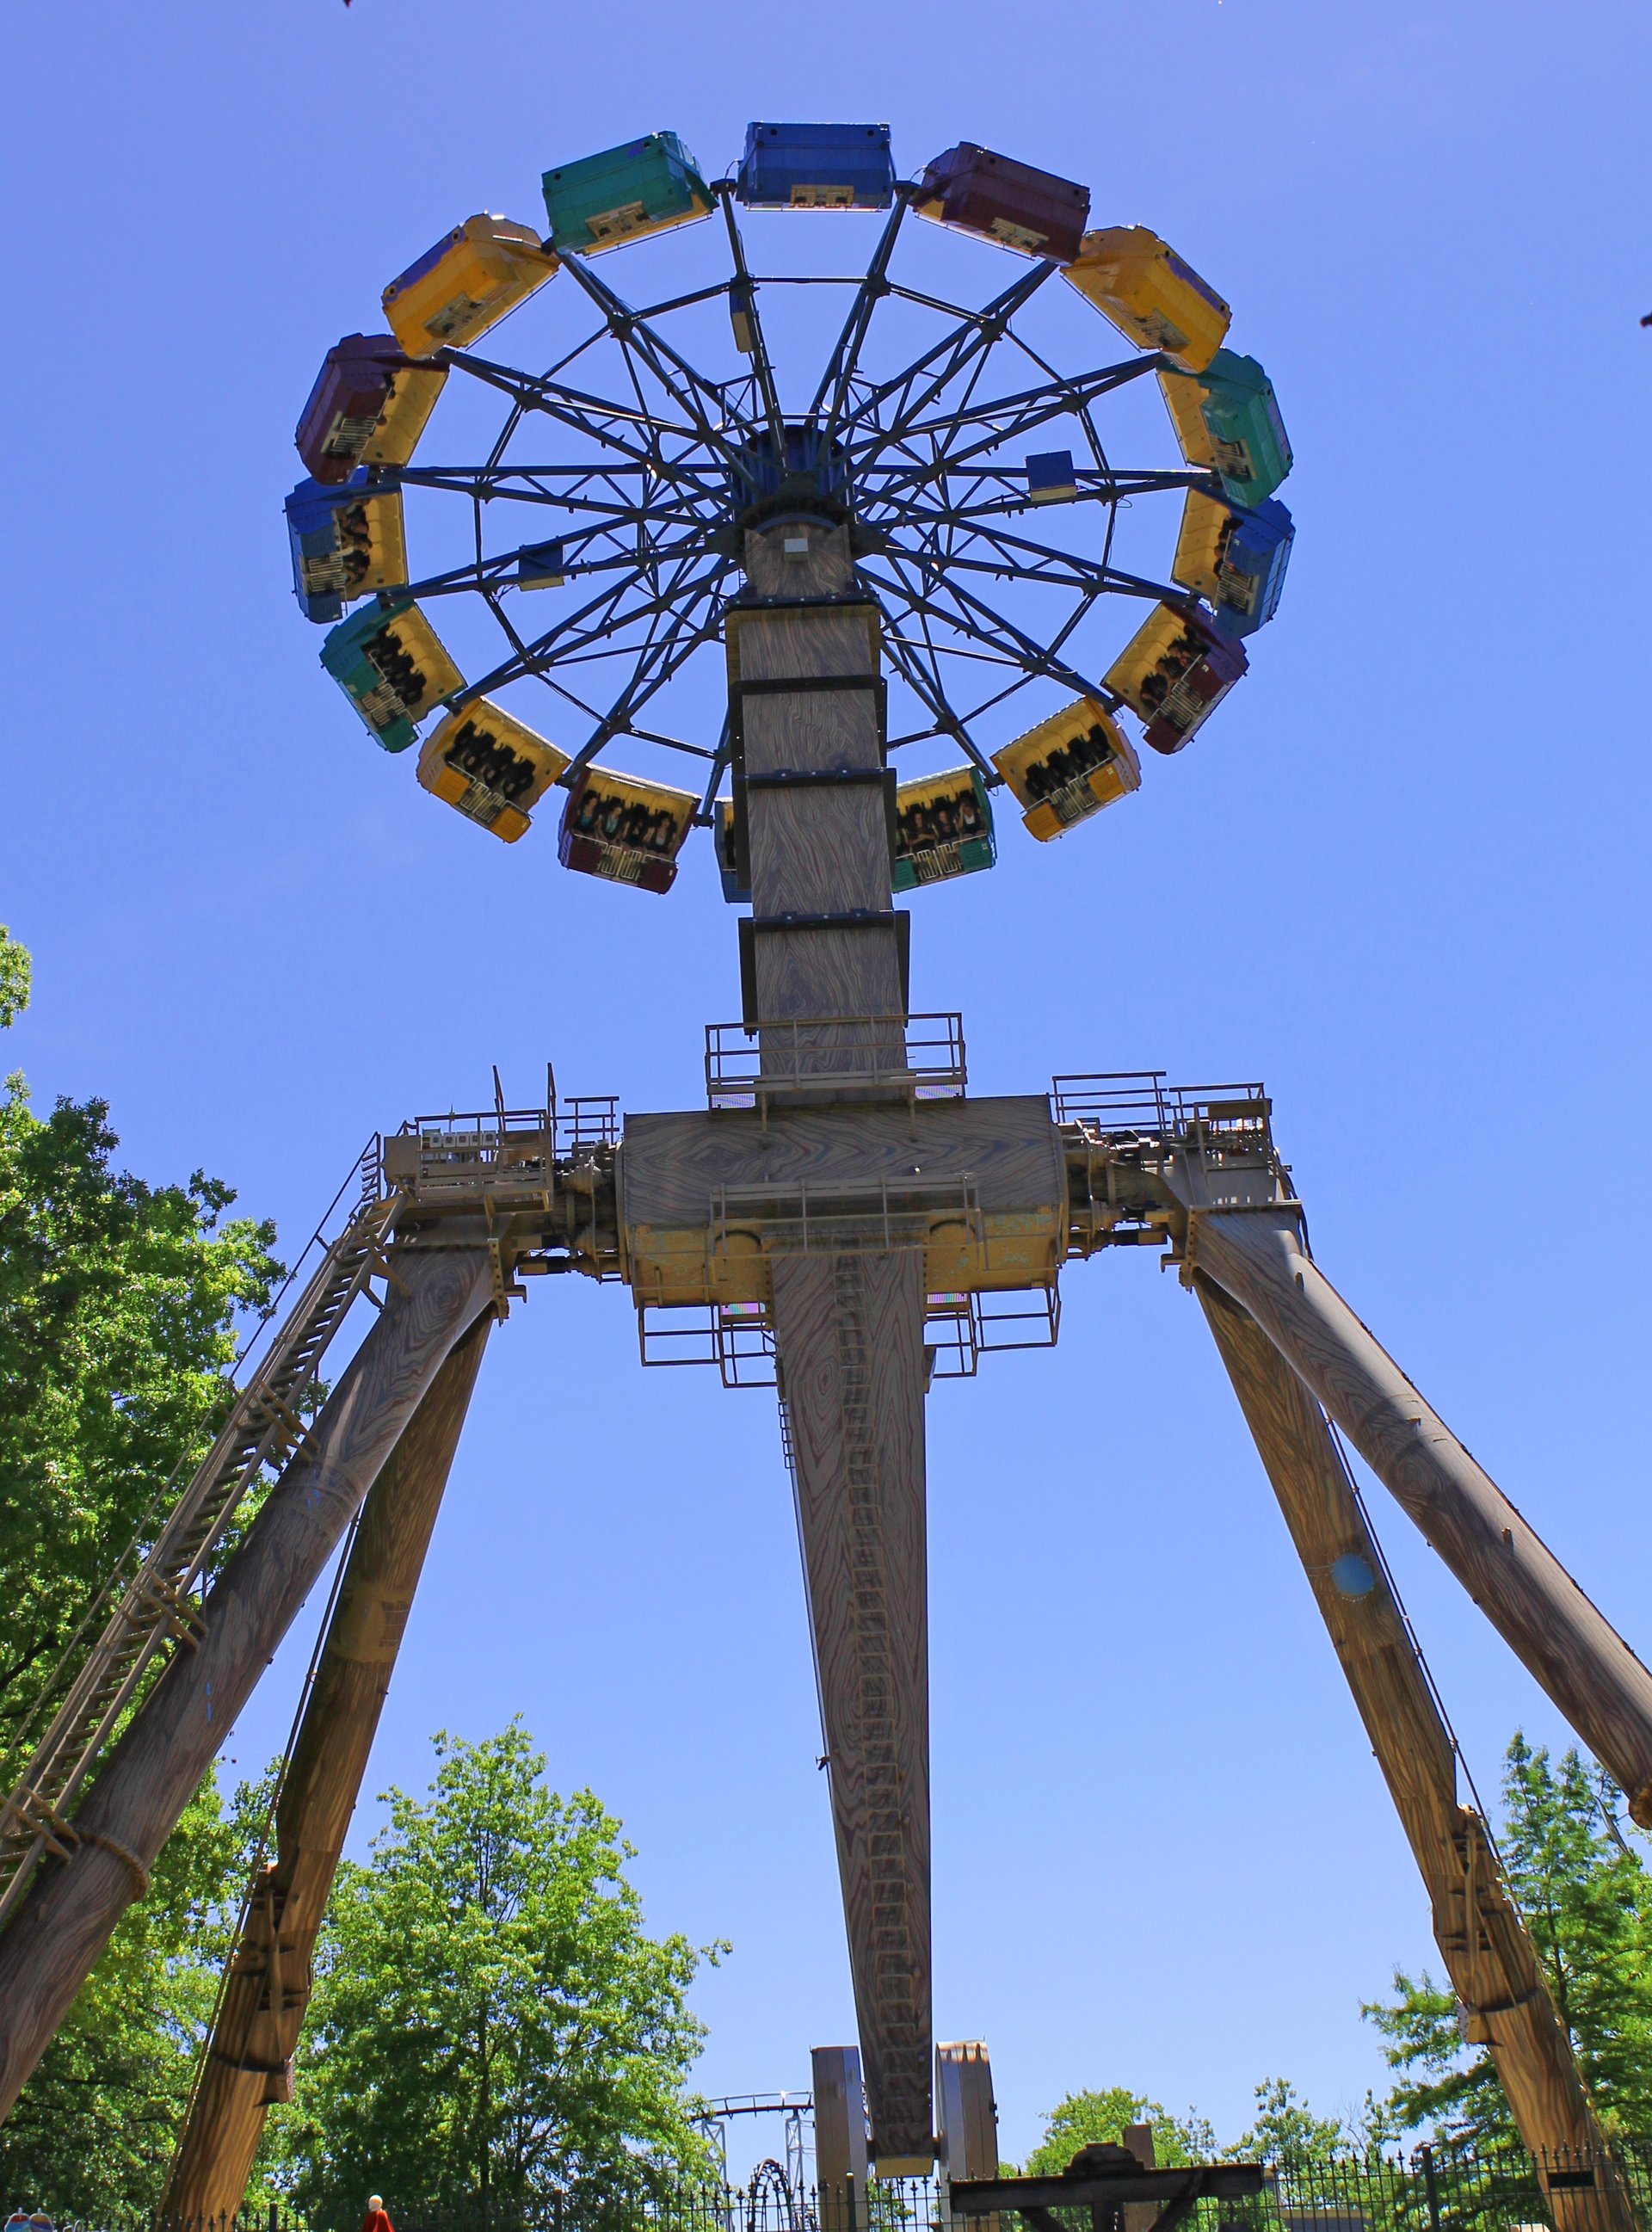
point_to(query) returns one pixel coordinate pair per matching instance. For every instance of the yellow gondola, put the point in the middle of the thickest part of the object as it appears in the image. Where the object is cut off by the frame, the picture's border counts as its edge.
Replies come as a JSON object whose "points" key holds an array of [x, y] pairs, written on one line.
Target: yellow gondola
{"points": [[1069, 768], [467, 282], [1154, 298], [490, 766]]}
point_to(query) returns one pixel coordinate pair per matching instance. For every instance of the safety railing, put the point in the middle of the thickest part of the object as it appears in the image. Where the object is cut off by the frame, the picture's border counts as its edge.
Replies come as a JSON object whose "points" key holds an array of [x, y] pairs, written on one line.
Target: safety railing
{"points": [[1140, 1099], [845, 1216], [748, 1066]]}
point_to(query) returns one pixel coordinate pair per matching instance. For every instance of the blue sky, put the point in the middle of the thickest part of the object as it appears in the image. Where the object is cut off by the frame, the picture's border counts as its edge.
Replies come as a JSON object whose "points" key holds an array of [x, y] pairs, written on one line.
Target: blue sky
{"points": [[1400, 876]]}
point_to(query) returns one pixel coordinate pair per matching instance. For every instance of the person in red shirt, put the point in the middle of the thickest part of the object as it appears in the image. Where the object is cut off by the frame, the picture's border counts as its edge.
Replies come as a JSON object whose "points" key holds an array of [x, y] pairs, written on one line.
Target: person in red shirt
{"points": [[377, 2219]]}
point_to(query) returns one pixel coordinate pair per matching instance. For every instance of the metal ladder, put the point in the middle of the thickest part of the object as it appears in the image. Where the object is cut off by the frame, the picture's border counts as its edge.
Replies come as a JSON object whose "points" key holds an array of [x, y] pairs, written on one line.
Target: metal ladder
{"points": [[153, 1598]]}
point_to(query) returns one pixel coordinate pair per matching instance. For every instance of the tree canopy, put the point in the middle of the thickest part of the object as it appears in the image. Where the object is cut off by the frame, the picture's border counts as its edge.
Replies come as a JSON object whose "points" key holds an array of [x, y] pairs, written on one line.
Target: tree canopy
{"points": [[491, 2020], [1083, 2119], [1574, 1865], [118, 1302]]}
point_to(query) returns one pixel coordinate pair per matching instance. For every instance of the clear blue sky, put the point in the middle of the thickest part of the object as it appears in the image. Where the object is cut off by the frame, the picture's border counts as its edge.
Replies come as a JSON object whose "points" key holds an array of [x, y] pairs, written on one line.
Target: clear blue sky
{"points": [[1400, 877]]}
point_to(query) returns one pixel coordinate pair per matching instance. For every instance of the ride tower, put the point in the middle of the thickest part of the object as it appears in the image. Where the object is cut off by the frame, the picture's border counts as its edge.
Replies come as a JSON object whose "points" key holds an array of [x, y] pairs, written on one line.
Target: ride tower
{"points": [[883, 562]]}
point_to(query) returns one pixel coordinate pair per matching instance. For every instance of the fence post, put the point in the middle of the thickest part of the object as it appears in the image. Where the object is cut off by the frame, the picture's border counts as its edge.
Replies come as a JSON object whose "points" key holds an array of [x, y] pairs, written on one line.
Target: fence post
{"points": [[1431, 2185]]}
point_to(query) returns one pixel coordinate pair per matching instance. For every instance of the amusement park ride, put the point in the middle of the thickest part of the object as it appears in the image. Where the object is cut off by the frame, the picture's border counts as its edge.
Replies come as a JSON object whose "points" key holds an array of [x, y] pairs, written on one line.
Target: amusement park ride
{"points": [[841, 1220]]}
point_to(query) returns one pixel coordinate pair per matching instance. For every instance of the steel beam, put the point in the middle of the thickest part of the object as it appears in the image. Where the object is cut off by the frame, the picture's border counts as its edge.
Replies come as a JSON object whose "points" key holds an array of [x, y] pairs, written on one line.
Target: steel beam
{"points": [[248, 2065], [149, 1776], [1488, 1955], [1569, 1647]]}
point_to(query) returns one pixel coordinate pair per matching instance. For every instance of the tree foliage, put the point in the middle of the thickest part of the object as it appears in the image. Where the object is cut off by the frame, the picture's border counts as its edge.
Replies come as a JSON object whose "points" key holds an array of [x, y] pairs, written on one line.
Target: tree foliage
{"points": [[117, 1309], [1083, 2119], [1284, 2128], [117, 1302], [14, 977], [1575, 1869], [491, 2020]]}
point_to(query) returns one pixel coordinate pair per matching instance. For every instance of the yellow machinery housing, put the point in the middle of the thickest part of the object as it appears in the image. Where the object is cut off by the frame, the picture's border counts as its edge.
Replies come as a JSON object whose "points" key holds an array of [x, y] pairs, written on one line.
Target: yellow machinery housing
{"points": [[490, 766], [1154, 298], [466, 283], [1069, 768]]}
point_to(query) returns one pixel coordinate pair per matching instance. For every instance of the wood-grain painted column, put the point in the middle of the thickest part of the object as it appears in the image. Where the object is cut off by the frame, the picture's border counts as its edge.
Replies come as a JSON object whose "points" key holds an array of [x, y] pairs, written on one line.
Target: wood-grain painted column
{"points": [[1488, 1955], [823, 928], [1558, 1635], [151, 1774], [848, 1318], [850, 1329], [248, 2057]]}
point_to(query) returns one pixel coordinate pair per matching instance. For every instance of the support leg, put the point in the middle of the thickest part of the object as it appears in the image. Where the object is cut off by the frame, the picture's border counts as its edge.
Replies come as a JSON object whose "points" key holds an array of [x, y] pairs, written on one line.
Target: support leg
{"points": [[148, 1777], [850, 1333], [1492, 1963], [248, 2057], [840, 2137], [1557, 1634]]}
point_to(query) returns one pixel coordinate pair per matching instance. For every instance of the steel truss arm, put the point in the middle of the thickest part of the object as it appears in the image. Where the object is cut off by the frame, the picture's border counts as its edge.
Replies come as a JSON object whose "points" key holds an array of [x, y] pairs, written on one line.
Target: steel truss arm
{"points": [[687, 388], [1008, 418], [973, 336], [594, 416], [1567, 1645], [977, 621], [152, 1772], [1492, 1963]]}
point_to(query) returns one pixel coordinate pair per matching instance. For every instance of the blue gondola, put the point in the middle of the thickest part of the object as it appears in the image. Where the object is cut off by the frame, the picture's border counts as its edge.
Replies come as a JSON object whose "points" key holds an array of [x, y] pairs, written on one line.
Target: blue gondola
{"points": [[1234, 557], [344, 543], [816, 166]]}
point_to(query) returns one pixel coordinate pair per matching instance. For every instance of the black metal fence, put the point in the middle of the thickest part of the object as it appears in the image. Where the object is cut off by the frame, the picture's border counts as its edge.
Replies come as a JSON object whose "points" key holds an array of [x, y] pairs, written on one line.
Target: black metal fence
{"points": [[1436, 2188]]}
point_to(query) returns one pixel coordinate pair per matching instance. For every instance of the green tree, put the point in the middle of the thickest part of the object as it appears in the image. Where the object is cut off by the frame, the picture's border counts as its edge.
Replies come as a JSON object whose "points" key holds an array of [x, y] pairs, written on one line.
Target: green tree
{"points": [[491, 2021], [117, 1309], [1083, 2119], [117, 1302], [1575, 1869], [1284, 2128], [92, 2129], [14, 977]]}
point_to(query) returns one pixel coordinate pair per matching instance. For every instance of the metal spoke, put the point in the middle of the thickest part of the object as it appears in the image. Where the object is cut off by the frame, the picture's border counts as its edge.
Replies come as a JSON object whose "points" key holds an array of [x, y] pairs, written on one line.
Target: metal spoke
{"points": [[763, 371], [840, 365]]}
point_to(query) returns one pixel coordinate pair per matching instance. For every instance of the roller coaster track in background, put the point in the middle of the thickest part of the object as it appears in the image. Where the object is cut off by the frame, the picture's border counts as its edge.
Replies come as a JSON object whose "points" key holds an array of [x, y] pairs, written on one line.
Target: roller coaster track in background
{"points": [[152, 1600]]}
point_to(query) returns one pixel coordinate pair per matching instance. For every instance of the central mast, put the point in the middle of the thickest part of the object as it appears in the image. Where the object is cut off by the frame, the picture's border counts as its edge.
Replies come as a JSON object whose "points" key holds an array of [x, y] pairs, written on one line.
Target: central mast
{"points": [[824, 983]]}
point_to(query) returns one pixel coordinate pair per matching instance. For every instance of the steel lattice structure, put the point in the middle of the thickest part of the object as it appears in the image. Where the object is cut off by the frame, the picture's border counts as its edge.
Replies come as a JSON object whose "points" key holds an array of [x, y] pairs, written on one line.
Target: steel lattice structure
{"points": [[927, 460]]}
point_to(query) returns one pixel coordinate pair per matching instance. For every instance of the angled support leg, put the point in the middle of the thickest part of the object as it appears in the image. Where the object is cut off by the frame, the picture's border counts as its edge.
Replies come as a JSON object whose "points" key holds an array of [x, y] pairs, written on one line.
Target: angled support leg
{"points": [[150, 1775], [1490, 1959], [1568, 1646], [850, 1333], [248, 2057]]}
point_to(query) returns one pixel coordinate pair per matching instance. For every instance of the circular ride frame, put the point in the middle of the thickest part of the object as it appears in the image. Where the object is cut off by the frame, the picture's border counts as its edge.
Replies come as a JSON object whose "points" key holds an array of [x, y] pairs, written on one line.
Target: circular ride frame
{"points": [[914, 460]]}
